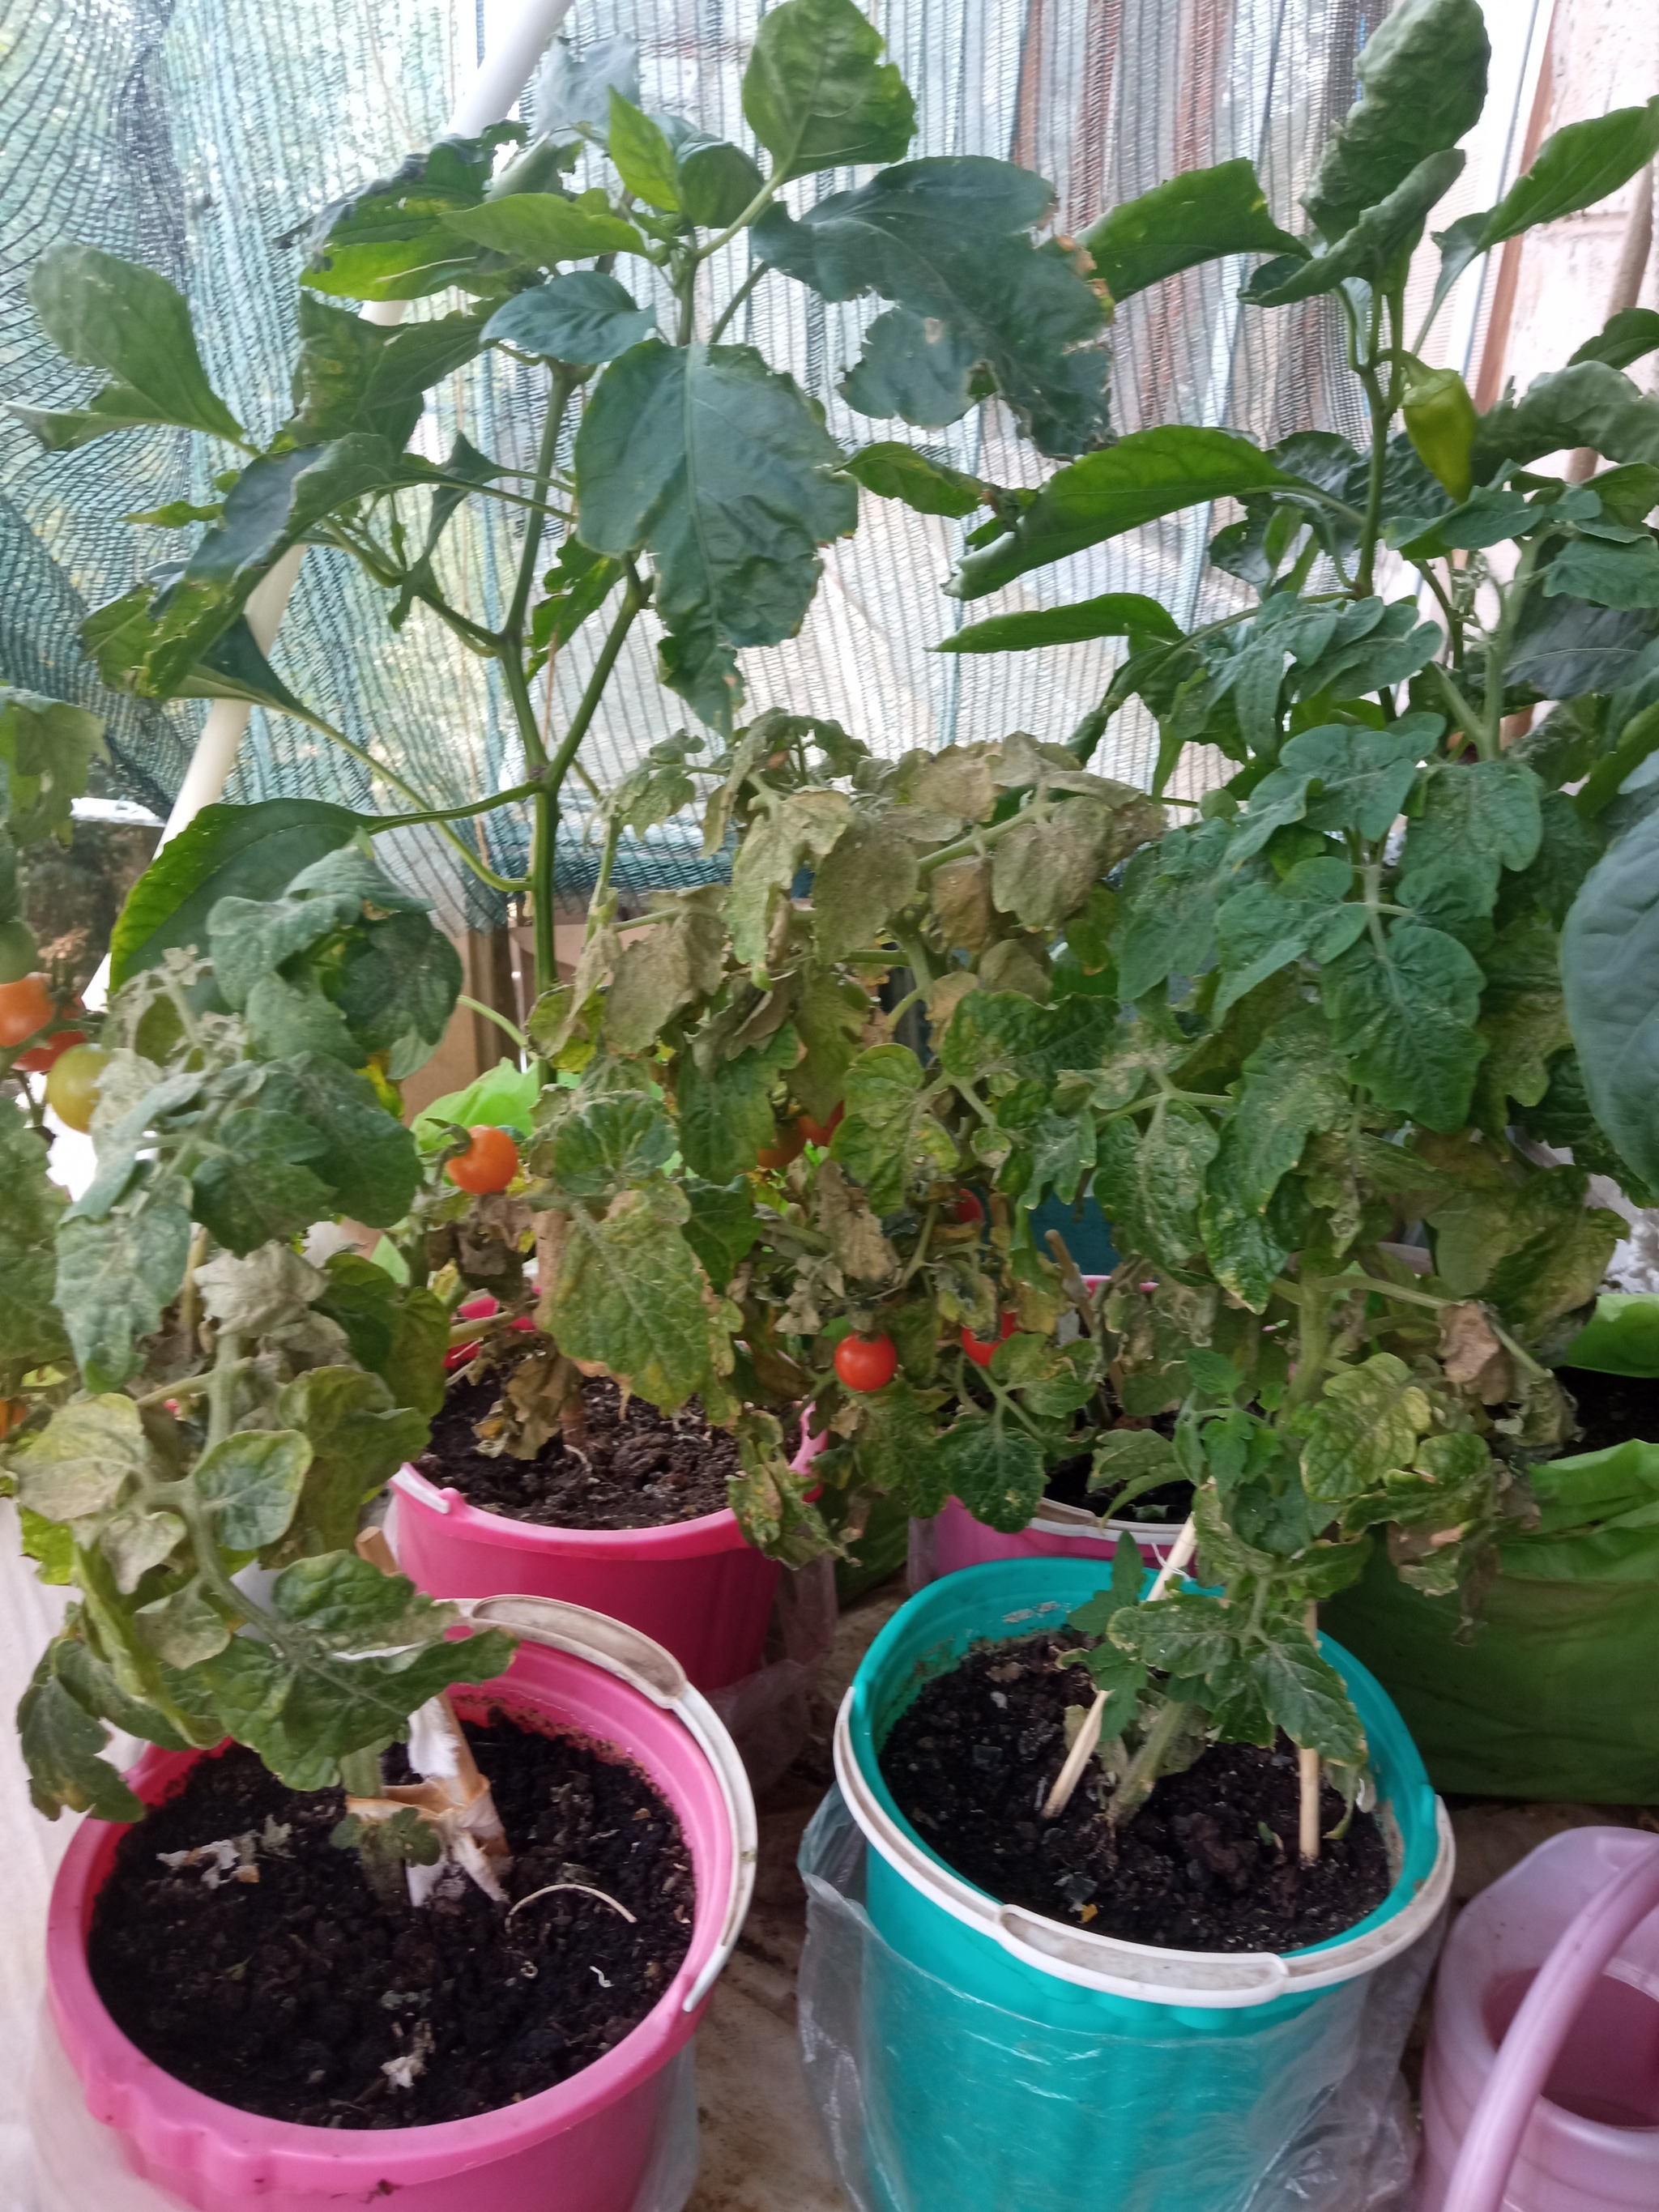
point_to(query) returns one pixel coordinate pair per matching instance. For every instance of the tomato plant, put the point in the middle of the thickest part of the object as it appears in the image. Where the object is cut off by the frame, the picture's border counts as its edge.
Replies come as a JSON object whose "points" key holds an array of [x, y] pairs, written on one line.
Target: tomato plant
{"points": [[867, 1363], [72, 1084], [489, 1161]]}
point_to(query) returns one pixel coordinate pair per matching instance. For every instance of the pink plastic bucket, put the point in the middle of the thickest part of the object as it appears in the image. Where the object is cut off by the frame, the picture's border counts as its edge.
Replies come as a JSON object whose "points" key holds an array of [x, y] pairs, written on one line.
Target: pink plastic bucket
{"points": [[583, 2147], [1541, 2087], [695, 1587], [1054, 1532]]}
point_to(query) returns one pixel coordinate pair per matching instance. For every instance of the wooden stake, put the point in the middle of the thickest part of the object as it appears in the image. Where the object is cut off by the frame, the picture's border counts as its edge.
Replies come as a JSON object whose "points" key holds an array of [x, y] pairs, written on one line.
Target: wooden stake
{"points": [[1307, 1775], [1088, 1736]]}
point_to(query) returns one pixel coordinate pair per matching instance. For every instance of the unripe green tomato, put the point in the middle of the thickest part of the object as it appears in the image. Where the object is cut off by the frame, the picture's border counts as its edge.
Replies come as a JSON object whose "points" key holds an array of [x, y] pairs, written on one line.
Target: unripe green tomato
{"points": [[72, 1085], [18, 955], [1441, 421]]}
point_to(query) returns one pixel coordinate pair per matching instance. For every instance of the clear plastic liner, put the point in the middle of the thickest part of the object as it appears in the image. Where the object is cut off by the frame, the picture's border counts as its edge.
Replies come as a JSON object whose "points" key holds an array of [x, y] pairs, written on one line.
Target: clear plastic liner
{"points": [[967, 2105], [769, 1712]]}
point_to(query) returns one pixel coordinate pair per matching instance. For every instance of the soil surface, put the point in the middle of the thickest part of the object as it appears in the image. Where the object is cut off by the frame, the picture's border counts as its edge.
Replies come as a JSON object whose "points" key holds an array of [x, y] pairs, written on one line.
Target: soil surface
{"points": [[1068, 1484], [1209, 1863], [1611, 1407], [642, 1468], [289, 1996]]}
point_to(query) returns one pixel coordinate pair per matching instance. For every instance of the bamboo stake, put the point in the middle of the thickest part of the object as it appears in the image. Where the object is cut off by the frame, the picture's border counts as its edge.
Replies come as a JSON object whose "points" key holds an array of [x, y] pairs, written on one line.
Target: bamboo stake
{"points": [[1307, 1775], [1088, 1736]]}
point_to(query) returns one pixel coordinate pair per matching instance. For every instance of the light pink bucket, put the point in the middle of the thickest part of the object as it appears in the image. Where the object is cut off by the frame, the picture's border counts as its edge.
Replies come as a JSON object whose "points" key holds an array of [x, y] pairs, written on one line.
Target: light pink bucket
{"points": [[695, 1587], [1053, 1532], [586, 2146]]}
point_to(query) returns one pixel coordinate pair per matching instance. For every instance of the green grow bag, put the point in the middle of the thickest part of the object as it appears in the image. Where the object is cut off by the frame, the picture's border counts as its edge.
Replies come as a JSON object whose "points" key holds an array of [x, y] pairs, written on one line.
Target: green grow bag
{"points": [[1554, 1696]]}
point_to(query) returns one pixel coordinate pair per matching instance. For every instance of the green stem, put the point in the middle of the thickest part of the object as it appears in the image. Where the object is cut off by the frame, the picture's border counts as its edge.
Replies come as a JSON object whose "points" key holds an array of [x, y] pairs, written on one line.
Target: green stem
{"points": [[360, 1774], [1601, 785], [560, 385], [763, 200], [1490, 738], [1463, 714], [1313, 1341], [922, 1243], [489, 1013], [518, 791], [1159, 1741], [736, 301], [1366, 576]]}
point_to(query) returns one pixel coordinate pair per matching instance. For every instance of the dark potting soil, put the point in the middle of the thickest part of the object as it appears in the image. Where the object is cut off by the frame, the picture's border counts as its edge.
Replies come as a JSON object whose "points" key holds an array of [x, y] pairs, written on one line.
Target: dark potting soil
{"points": [[287, 1996], [1209, 1863], [642, 1468], [1068, 1484], [1611, 1407]]}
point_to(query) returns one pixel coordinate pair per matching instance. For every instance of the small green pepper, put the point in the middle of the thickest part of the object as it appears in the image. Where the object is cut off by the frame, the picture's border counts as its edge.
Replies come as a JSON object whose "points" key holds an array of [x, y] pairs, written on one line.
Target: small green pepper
{"points": [[1441, 421]]}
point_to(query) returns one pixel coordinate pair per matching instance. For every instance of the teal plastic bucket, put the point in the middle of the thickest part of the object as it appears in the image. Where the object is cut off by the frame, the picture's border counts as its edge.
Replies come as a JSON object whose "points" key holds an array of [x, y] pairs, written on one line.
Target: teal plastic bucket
{"points": [[1012, 2062]]}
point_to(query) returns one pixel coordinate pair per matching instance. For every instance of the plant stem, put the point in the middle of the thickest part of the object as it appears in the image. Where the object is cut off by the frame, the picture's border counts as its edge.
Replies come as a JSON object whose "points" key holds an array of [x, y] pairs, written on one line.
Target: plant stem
{"points": [[381, 821], [489, 1013], [360, 1773], [736, 301], [1313, 1341], [1365, 575], [1463, 713], [560, 387], [1491, 737], [1138, 1783], [762, 199]]}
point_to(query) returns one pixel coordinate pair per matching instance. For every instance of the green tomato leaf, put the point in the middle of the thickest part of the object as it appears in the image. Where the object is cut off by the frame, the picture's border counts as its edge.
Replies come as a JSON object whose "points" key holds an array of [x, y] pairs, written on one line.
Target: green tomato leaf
{"points": [[31, 1205], [354, 375], [387, 240], [1481, 818], [1422, 76], [791, 834], [584, 316], [253, 1184], [631, 1295], [127, 320], [398, 1331], [1184, 1634], [996, 1469], [948, 241], [609, 1145], [1198, 216], [662, 969], [722, 1229], [47, 747], [890, 1140], [1565, 649], [1364, 1426], [251, 1483], [723, 1107], [1294, 1085], [1360, 778], [370, 1159], [719, 466], [60, 1742], [1303, 1695], [116, 1277], [1003, 1038], [1147, 474], [1113, 614], [1405, 1015], [1265, 927], [1150, 1187], [358, 1437], [818, 94], [896, 1447], [1171, 892], [79, 1464]]}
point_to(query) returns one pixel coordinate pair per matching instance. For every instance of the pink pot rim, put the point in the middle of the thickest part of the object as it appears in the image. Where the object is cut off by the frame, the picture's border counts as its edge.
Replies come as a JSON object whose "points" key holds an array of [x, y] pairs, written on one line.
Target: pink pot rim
{"points": [[186, 2129], [672, 1540]]}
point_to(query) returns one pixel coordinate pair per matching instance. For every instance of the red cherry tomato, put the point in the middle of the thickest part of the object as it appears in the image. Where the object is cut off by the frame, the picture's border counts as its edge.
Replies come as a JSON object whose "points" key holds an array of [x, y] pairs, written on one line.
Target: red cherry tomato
{"points": [[968, 1207], [867, 1363], [819, 1133], [489, 1161], [41, 1059], [976, 1348], [774, 1157], [25, 1007]]}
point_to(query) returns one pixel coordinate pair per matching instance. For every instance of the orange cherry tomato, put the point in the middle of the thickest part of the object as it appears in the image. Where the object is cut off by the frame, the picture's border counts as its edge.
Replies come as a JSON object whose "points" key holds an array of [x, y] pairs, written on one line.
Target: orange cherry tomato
{"points": [[867, 1363], [788, 1147], [975, 1346], [25, 1007], [819, 1133], [14, 1411], [489, 1161]]}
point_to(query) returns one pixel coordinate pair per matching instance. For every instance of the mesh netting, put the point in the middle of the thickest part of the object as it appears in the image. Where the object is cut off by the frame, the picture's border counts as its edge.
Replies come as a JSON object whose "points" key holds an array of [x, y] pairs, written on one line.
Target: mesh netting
{"points": [[194, 134]]}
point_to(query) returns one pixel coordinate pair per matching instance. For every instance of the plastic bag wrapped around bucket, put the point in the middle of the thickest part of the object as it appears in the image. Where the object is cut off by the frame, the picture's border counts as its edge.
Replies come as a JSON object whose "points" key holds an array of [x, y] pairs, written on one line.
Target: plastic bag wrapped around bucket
{"points": [[933, 2099]]}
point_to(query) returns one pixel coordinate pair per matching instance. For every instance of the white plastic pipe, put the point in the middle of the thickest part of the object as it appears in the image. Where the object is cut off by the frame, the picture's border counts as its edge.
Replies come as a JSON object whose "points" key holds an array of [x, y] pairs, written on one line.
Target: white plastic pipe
{"points": [[500, 76]]}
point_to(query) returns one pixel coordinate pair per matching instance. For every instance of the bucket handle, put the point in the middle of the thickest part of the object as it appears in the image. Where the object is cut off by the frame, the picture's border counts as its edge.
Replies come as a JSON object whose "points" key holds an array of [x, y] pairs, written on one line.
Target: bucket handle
{"points": [[633, 1657], [1539, 2030], [1046, 1939]]}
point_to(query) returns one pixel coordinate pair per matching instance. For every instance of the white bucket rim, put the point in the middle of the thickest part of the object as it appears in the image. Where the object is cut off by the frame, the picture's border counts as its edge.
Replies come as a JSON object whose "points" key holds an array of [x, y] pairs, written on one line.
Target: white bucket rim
{"points": [[1144, 1972]]}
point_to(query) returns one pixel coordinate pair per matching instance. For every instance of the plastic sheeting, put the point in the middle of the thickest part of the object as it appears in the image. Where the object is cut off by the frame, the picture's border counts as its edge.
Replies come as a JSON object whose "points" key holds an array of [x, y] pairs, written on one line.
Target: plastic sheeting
{"points": [[931, 2097], [196, 135], [769, 1713]]}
